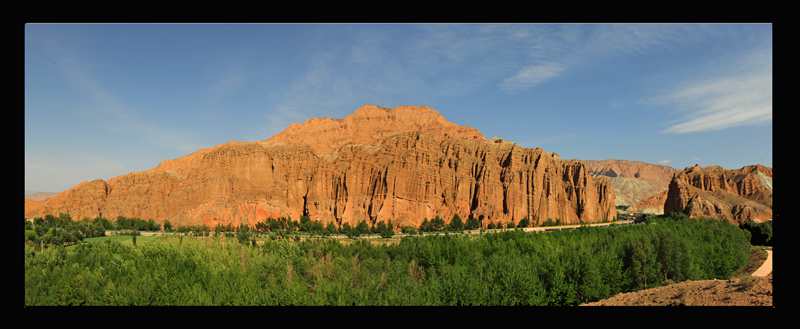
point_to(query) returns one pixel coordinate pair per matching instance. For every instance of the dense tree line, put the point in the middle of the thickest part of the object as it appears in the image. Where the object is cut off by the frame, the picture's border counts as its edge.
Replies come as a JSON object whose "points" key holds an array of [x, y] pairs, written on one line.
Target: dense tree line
{"points": [[136, 224], [283, 226], [60, 230], [510, 268], [64, 230], [760, 233]]}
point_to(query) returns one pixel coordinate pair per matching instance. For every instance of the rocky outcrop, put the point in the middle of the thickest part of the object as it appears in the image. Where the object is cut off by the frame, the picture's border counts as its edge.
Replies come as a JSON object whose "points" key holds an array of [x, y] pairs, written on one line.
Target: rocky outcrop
{"points": [[636, 184], [403, 164], [734, 195], [651, 205]]}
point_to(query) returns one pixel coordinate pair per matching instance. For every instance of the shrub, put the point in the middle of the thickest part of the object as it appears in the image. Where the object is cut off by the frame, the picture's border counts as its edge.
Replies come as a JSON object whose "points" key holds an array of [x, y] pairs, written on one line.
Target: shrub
{"points": [[408, 230], [362, 228], [330, 229], [425, 226], [243, 234], [456, 224], [473, 223], [437, 224]]}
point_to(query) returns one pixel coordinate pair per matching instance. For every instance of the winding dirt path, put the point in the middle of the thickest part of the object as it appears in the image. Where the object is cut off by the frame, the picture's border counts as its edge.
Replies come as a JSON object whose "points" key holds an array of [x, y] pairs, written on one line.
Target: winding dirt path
{"points": [[766, 267]]}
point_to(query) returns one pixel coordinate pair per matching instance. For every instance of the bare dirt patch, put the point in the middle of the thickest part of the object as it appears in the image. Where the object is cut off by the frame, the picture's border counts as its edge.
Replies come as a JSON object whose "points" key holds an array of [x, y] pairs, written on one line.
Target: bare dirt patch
{"points": [[741, 290]]}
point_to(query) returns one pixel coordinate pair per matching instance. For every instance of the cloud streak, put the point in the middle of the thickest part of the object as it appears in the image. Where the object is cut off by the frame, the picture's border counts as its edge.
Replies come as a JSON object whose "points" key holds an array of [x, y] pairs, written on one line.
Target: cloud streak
{"points": [[552, 49], [724, 101], [532, 75]]}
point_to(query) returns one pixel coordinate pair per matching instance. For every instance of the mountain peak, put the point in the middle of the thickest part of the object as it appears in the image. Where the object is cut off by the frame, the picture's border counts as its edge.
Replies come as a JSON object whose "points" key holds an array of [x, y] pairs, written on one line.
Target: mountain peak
{"points": [[368, 124]]}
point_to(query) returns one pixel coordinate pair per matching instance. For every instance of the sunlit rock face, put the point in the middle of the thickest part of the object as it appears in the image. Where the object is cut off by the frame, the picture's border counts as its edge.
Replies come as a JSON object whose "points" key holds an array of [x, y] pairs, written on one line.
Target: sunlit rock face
{"points": [[402, 164], [734, 195]]}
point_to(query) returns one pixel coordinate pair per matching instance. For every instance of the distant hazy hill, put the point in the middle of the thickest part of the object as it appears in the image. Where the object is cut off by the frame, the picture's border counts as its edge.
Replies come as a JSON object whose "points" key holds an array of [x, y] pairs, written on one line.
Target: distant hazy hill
{"points": [[33, 195], [637, 184]]}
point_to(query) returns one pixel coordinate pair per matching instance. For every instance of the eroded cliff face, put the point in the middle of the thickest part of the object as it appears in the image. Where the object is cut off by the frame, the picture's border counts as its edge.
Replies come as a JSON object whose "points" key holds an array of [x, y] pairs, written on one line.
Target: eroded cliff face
{"points": [[403, 164], [733, 195]]}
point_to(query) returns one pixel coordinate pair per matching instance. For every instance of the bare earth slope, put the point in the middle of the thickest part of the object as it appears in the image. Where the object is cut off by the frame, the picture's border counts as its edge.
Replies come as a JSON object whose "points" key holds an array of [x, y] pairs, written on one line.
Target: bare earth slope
{"points": [[746, 291], [734, 195], [402, 164]]}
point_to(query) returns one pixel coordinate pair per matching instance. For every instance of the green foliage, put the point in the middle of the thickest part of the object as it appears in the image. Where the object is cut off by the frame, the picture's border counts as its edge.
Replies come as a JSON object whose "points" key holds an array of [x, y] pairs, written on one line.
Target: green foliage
{"points": [[63, 230], [408, 230], [456, 225], [437, 224], [330, 229], [760, 233], [551, 222], [473, 223], [362, 228], [167, 226], [243, 234], [524, 222], [30, 235], [203, 230], [510, 268], [425, 226], [347, 230], [385, 230], [125, 223]]}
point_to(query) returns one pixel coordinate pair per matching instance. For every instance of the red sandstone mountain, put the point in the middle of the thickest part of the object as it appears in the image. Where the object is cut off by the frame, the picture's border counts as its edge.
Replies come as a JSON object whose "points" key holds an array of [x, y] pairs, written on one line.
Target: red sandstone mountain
{"points": [[403, 164], [734, 195], [639, 185]]}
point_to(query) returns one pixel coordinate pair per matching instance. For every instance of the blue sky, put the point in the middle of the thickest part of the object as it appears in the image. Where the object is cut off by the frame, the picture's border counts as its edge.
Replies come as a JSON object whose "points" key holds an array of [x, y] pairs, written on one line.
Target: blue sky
{"points": [[103, 100]]}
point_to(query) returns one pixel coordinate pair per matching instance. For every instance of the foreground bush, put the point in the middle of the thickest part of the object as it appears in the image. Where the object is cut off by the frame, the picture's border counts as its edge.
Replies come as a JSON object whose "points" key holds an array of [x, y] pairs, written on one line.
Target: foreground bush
{"points": [[512, 268], [760, 233]]}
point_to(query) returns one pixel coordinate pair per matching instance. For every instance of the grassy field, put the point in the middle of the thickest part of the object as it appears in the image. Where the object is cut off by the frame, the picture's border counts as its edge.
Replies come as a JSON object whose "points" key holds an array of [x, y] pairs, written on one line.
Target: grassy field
{"points": [[512, 268], [125, 239]]}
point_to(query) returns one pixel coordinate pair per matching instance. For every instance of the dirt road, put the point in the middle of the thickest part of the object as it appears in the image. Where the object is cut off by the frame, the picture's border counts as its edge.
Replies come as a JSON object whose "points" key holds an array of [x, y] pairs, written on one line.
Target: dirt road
{"points": [[766, 267]]}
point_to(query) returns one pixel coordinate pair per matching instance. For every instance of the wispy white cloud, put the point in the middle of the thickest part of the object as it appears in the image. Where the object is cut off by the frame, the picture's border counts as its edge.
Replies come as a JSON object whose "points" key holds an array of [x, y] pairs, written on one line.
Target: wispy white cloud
{"points": [[532, 75], [113, 114], [563, 47], [729, 99], [452, 60]]}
